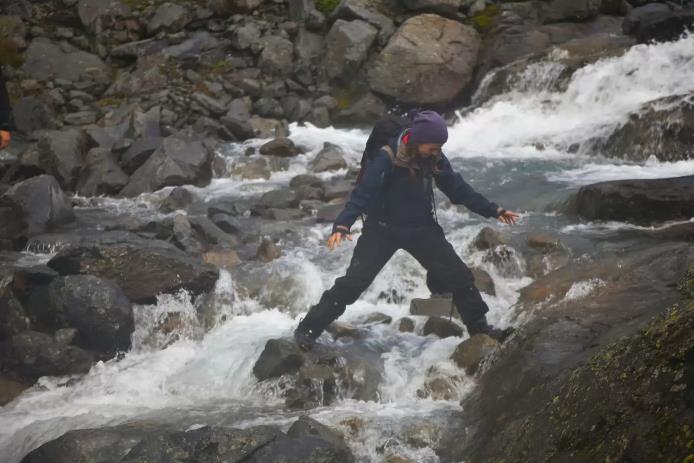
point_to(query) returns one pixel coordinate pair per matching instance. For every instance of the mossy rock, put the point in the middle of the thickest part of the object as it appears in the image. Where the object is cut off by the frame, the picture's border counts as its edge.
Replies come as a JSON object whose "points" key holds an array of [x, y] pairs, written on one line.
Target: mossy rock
{"points": [[327, 6]]}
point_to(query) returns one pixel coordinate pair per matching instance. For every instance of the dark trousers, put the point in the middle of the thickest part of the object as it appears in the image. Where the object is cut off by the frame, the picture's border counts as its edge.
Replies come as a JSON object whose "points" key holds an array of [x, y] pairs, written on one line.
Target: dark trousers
{"points": [[375, 247]]}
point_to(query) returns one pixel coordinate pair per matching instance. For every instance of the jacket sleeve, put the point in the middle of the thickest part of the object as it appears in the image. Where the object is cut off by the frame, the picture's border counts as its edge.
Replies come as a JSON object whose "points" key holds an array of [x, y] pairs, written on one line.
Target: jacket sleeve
{"points": [[5, 109], [459, 192], [366, 190]]}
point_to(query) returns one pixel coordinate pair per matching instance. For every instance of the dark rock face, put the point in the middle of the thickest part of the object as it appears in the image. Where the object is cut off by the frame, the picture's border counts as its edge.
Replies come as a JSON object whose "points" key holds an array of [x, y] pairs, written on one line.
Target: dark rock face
{"points": [[35, 354], [42, 202], [663, 128], [98, 309], [502, 413], [661, 26], [142, 269], [307, 441], [280, 356], [637, 201]]}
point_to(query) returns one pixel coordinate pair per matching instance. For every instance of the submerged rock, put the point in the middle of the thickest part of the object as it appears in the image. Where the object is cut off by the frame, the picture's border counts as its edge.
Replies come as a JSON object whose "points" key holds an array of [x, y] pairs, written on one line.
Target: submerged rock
{"points": [[280, 357], [470, 353]]}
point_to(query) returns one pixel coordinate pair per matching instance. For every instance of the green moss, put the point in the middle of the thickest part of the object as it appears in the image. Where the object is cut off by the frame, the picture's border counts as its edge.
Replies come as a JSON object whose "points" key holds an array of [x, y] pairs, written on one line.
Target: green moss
{"points": [[327, 6], [484, 20]]}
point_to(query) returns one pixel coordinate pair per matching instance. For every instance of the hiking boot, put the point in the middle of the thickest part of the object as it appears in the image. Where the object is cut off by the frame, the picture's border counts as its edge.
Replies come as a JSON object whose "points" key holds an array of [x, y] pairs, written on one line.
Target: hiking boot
{"points": [[480, 326], [305, 338]]}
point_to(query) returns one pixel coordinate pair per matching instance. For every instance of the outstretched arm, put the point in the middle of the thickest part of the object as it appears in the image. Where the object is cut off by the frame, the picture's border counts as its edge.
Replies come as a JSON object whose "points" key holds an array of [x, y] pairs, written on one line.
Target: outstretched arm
{"points": [[459, 192], [362, 196]]}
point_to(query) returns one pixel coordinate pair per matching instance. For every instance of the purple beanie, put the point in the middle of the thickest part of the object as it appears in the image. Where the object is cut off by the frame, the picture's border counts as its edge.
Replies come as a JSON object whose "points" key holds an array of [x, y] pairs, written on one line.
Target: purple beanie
{"points": [[428, 127]]}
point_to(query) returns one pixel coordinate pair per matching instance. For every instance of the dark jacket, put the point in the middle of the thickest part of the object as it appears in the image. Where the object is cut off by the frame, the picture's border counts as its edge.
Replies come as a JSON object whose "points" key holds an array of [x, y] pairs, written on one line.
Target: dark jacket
{"points": [[387, 193], [5, 109]]}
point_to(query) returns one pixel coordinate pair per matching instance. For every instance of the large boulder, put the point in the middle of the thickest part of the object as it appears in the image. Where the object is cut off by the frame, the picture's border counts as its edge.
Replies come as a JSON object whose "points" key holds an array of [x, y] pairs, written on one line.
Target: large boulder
{"points": [[101, 174], [45, 60], [176, 162], [637, 201], [142, 269], [61, 154], [663, 128], [429, 60], [473, 351], [569, 10], [347, 46], [663, 26], [100, 15], [35, 354], [280, 357], [98, 309], [277, 56], [331, 157], [42, 202]]}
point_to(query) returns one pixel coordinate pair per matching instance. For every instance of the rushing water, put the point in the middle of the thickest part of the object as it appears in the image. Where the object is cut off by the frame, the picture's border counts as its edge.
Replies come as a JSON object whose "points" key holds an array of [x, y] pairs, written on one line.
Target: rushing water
{"points": [[514, 149]]}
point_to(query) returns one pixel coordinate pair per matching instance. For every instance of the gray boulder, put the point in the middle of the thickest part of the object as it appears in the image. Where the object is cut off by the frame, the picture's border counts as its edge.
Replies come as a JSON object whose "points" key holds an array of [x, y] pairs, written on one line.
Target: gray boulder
{"points": [[101, 174], [429, 60], [35, 354], [170, 17], [281, 198], [329, 158], [141, 268], [138, 153], [347, 46], [45, 60], [97, 308], [42, 202], [441, 327], [280, 356], [277, 57], [61, 154], [282, 146], [176, 162], [99, 15]]}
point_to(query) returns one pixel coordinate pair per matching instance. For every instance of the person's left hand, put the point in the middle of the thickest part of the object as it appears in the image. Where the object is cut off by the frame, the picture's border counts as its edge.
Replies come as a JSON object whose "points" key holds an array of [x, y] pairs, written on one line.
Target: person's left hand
{"points": [[4, 139], [508, 217]]}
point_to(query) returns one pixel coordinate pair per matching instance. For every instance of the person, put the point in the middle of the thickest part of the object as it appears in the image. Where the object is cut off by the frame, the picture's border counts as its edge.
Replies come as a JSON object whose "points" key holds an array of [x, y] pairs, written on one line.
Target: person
{"points": [[396, 195], [6, 48]]}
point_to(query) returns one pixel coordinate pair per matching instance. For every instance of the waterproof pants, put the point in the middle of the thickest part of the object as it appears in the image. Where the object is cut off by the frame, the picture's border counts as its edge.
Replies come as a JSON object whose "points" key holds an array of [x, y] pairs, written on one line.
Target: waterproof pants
{"points": [[376, 245]]}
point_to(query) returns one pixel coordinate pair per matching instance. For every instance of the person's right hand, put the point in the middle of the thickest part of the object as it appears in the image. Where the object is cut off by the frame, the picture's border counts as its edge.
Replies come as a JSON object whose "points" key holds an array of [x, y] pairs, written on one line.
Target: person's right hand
{"points": [[336, 238], [4, 139]]}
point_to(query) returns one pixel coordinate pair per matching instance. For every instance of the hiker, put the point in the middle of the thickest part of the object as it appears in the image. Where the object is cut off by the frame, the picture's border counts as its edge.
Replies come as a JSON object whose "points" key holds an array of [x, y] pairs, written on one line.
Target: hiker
{"points": [[396, 194], [6, 49]]}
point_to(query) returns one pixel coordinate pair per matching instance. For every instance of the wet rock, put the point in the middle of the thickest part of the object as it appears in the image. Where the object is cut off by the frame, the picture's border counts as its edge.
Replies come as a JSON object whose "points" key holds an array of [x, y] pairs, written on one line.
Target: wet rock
{"points": [[347, 46], [329, 158], [484, 281], [226, 222], [441, 327], [449, 48], [179, 198], [543, 242], [569, 10], [434, 307], [633, 18], [406, 325], [281, 198], [42, 203], [13, 319], [175, 162], [306, 448], [336, 189], [488, 238], [35, 354], [663, 128], [268, 251], [375, 318], [541, 264], [343, 330], [473, 351], [225, 259], [307, 192], [280, 357], [662, 26], [643, 202], [61, 154], [440, 388], [306, 426], [252, 169], [97, 308], [65, 335], [283, 215], [279, 147], [142, 269], [101, 174], [268, 128], [210, 234], [10, 389]]}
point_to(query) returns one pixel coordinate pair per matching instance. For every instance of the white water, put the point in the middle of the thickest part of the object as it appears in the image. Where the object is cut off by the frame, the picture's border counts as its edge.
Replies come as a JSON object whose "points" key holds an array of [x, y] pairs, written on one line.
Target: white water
{"points": [[514, 141]]}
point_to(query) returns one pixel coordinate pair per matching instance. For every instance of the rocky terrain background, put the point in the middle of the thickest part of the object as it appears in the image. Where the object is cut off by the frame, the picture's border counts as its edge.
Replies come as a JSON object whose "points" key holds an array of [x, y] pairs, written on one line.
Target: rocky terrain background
{"points": [[118, 98]]}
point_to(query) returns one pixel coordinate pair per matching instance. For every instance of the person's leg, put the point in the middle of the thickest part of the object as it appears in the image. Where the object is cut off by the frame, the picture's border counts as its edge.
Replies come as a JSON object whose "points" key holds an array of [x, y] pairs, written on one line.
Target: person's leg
{"points": [[373, 250], [450, 274]]}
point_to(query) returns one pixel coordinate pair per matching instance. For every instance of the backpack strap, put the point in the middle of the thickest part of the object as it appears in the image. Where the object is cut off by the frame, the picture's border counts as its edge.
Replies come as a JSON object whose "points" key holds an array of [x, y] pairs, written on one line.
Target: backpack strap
{"points": [[389, 152]]}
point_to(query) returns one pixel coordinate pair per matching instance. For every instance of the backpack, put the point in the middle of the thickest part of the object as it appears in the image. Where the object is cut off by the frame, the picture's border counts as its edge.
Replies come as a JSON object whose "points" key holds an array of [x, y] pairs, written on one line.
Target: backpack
{"points": [[385, 128]]}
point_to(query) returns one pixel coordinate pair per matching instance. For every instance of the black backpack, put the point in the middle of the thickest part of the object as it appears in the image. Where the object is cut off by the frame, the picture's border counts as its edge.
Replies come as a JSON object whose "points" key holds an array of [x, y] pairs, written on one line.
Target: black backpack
{"points": [[385, 128]]}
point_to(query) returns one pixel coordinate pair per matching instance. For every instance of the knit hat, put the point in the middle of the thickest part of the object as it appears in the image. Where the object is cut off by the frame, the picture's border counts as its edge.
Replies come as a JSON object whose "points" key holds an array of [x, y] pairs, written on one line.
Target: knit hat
{"points": [[428, 127]]}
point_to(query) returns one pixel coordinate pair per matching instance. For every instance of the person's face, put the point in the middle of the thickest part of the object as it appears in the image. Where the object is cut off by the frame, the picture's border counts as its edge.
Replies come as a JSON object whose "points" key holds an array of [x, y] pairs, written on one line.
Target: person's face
{"points": [[427, 150]]}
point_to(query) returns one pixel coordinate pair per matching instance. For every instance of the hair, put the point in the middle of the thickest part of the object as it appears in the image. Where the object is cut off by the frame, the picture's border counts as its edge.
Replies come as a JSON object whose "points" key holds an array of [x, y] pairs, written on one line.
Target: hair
{"points": [[412, 153]]}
